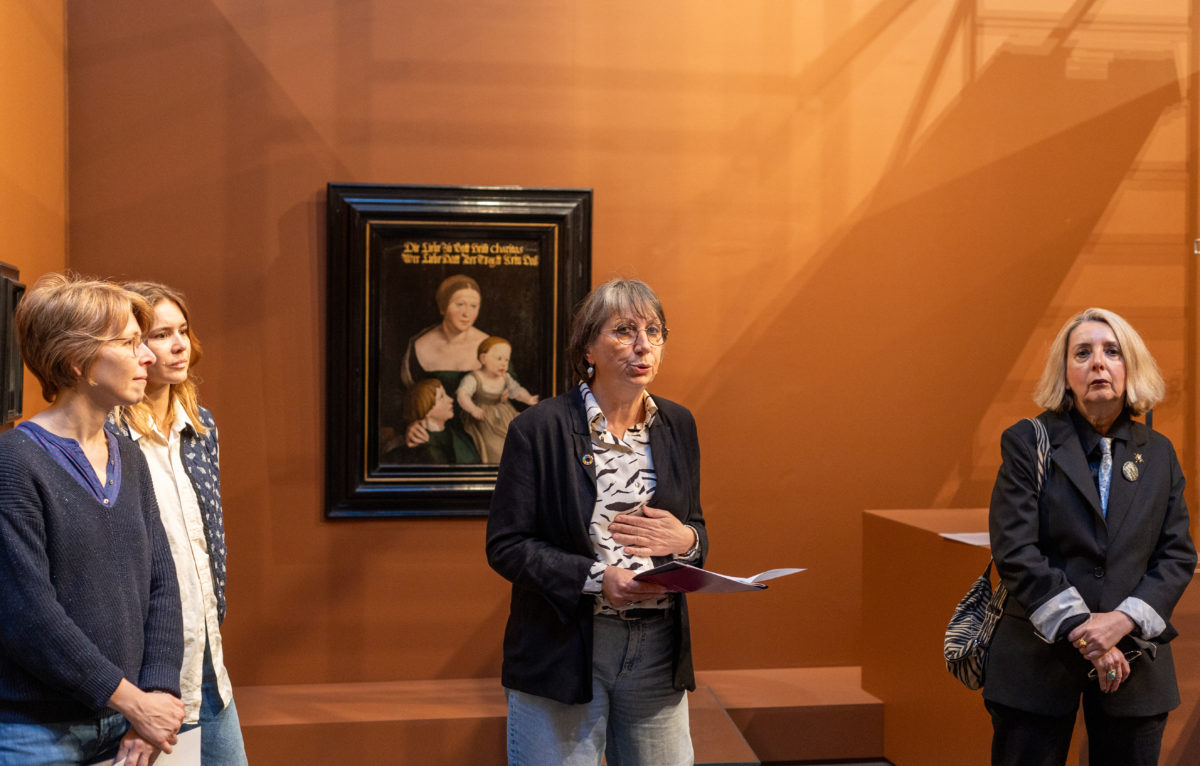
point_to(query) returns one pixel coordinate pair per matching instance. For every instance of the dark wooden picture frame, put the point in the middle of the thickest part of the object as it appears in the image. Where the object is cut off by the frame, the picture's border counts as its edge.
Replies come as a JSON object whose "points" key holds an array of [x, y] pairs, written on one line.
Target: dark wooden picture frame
{"points": [[400, 258], [12, 371]]}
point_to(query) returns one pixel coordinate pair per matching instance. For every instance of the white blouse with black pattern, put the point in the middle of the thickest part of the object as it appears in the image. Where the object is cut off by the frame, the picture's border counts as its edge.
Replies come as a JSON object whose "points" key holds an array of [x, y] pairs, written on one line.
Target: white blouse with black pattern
{"points": [[625, 482]]}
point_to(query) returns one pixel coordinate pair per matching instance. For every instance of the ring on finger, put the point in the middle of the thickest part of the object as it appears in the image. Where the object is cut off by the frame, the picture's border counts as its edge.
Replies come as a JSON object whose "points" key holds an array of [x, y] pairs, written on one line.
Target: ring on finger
{"points": [[1112, 674]]}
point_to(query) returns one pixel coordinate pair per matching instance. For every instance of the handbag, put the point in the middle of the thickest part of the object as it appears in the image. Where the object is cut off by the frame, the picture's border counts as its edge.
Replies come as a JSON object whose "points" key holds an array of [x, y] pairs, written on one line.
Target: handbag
{"points": [[969, 633]]}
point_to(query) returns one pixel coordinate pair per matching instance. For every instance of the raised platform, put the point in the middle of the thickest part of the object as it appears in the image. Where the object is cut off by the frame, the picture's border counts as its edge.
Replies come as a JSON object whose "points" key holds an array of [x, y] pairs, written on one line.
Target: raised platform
{"points": [[801, 714], [738, 717]]}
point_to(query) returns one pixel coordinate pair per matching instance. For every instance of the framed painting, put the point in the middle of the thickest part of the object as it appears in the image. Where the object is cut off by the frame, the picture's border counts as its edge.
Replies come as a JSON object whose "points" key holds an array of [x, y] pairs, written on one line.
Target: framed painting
{"points": [[447, 314]]}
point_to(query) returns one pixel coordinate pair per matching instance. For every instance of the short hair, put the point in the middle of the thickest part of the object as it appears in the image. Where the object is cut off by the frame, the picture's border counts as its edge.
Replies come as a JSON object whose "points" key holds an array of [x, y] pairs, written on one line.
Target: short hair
{"points": [[624, 297], [138, 415], [1144, 386], [63, 321], [450, 285], [490, 342], [421, 399]]}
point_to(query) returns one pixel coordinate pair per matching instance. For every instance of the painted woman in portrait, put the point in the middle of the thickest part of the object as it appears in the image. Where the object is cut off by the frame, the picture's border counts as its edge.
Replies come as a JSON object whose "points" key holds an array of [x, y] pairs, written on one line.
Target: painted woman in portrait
{"points": [[446, 351]]}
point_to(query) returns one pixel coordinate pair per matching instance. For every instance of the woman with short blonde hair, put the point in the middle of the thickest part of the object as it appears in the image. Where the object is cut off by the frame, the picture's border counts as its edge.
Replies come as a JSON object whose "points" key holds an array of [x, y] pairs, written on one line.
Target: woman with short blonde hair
{"points": [[89, 607]]}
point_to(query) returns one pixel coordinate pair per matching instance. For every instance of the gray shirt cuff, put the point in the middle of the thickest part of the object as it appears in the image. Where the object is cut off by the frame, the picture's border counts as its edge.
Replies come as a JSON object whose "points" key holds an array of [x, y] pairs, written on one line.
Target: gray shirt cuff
{"points": [[1148, 622], [1048, 618]]}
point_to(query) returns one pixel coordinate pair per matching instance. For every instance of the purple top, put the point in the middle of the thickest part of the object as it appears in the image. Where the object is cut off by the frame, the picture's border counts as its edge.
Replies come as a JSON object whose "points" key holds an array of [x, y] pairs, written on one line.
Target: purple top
{"points": [[68, 454]]}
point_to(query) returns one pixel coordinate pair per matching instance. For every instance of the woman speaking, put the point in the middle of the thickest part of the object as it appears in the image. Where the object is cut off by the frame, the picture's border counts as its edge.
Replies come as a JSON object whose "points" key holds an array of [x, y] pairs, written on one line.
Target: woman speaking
{"points": [[1094, 562], [593, 486]]}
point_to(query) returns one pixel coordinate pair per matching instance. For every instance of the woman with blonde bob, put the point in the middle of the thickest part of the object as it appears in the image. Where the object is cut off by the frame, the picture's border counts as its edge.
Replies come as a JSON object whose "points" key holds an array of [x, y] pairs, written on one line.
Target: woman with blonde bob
{"points": [[1094, 561], [90, 638], [178, 437]]}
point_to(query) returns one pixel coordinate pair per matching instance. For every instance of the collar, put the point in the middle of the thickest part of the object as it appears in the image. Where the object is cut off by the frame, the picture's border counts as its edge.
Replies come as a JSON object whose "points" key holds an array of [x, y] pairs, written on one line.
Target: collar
{"points": [[1089, 437], [598, 424], [178, 423]]}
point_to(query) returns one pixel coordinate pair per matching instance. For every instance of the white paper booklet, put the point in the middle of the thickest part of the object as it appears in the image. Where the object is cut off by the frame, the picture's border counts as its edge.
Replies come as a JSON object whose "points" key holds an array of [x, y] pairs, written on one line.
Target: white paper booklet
{"points": [[685, 578], [186, 752]]}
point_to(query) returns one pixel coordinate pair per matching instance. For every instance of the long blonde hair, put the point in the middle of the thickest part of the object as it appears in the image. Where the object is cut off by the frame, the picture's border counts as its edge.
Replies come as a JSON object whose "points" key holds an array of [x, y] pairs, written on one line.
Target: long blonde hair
{"points": [[138, 416]]}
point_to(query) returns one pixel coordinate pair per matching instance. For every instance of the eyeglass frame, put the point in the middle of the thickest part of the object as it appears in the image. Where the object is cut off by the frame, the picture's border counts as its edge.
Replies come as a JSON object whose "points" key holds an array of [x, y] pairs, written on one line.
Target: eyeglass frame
{"points": [[613, 331], [135, 349]]}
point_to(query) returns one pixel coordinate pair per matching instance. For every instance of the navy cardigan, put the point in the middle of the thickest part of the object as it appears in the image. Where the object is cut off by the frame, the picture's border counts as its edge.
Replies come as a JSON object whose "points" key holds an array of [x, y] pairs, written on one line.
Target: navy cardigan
{"points": [[537, 539], [87, 593]]}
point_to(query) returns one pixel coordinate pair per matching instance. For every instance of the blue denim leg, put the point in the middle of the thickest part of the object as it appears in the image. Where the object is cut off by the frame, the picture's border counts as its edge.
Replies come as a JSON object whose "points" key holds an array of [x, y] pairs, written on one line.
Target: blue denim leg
{"points": [[542, 731], [220, 731], [635, 714], [647, 717], [67, 743]]}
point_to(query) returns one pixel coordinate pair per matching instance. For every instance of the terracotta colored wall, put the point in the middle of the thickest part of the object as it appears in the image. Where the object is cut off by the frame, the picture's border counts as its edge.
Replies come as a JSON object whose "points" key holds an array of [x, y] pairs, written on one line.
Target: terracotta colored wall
{"points": [[33, 145], [866, 220]]}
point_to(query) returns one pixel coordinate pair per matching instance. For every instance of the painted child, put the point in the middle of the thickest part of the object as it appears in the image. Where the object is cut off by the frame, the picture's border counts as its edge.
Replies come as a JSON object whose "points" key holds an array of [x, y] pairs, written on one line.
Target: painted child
{"points": [[484, 396], [430, 405]]}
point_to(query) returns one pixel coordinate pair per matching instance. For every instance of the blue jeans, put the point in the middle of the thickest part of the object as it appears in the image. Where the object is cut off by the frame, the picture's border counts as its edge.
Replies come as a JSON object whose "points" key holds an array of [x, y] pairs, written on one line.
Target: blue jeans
{"points": [[635, 717], [66, 743], [220, 731]]}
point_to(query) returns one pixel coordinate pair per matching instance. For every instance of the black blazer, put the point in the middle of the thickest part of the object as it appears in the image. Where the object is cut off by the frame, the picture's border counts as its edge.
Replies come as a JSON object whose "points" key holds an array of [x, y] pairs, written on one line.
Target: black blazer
{"points": [[537, 539], [1044, 545]]}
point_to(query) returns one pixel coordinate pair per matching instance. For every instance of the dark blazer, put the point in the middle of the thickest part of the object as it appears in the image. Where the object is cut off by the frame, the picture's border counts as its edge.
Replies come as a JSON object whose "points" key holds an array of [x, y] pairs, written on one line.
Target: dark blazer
{"points": [[537, 538], [1045, 545]]}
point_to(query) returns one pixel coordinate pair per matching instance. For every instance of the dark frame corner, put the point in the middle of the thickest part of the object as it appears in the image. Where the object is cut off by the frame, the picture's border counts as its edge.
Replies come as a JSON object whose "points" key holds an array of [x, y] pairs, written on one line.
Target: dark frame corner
{"points": [[12, 372]]}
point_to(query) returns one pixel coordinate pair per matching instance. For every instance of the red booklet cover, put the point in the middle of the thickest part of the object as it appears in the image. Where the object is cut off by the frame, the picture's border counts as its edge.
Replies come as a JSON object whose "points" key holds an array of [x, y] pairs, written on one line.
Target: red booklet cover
{"points": [[685, 578]]}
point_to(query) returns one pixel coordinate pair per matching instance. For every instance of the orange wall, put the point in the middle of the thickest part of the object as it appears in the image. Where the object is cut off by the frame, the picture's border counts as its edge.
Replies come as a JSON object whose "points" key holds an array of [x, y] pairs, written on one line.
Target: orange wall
{"points": [[866, 219], [33, 144]]}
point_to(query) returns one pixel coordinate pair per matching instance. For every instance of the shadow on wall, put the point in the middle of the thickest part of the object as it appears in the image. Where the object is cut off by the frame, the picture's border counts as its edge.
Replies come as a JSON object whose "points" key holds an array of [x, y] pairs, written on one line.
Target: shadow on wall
{"points": [[910, 320]]}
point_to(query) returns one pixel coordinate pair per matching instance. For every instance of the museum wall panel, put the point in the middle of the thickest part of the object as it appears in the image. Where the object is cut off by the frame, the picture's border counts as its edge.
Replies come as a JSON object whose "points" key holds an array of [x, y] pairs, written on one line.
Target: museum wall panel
{"points": [[866, 220], [33, 145]]}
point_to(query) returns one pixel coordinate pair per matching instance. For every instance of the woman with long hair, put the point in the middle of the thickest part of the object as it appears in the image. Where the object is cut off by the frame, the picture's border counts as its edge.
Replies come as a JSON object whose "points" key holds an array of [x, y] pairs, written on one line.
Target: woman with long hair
{"points": [[179, 440]]}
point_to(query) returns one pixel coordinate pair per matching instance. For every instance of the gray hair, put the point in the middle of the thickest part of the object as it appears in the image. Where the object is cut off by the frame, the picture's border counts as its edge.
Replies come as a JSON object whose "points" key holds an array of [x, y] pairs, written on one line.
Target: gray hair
{"points": [[622, 297]]}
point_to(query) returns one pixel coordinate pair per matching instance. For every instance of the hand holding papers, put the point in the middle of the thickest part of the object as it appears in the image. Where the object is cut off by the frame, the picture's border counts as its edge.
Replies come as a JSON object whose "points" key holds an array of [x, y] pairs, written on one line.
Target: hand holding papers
{"points": [[684, 578]]}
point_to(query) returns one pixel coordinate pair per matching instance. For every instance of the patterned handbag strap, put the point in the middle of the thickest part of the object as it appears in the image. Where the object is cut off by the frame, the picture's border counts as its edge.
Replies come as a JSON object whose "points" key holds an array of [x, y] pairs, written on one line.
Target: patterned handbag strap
{"points": [[1043, 450], [1043, 460]]}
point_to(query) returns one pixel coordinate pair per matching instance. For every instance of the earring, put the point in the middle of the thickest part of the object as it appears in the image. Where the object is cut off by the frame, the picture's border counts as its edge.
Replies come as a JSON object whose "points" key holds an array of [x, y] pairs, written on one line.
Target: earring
{"points": [[591, 372]]}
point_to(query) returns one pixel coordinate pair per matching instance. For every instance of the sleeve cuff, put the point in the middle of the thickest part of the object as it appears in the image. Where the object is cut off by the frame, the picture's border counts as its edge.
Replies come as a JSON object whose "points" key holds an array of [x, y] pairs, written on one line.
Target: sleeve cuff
{"points": [[693, 553], [159, 678], [1048, 619], [595, 579], [1148, 621]]}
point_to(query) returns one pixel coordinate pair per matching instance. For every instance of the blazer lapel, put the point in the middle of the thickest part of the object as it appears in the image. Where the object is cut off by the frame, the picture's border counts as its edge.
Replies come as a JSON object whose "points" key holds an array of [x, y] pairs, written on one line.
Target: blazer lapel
{"points": [[1067, 454], [1123, 492], [581, 439]]}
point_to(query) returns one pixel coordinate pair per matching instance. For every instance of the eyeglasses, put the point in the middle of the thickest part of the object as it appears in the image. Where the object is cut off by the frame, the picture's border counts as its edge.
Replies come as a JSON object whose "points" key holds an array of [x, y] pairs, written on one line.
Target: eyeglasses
{"points": [[627, 334], [1130, 656], [131, 343]]}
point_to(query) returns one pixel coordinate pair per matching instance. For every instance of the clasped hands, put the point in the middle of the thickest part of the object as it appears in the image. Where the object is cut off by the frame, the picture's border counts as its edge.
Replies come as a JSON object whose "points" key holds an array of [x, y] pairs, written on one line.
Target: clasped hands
{"points": [[1096, 640], [154, 718], [656, 533]]}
